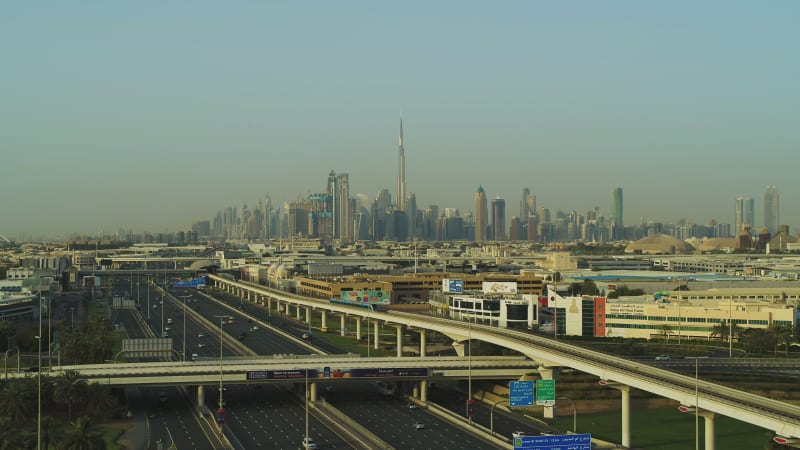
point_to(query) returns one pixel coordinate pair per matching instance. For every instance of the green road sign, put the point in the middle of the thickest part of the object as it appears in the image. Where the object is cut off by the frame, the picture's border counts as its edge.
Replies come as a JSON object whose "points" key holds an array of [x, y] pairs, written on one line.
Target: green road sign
{"points": [[546, 392]]}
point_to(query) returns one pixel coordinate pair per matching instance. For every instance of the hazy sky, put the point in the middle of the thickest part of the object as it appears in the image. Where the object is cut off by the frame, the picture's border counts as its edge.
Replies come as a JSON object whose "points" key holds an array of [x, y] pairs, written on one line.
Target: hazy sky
{"points": [[152, 115]]}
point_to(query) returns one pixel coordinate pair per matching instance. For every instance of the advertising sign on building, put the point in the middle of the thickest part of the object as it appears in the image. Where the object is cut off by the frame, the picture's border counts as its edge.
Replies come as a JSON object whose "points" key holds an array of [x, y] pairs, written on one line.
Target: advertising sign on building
{"points": [[366, 296], [452, 286], [499, 287]]}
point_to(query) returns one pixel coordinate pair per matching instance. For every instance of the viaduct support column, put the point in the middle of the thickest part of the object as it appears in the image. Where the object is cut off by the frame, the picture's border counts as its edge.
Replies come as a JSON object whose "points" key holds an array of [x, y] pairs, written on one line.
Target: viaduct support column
{"points": [[625, 390], [415, 392], [308, 315], [422, 344], [377, 335], [200, 397], [342, 325], [297, 312], [324, 325], [358, 328], [709, 417], [423, 390], [313, 397], [399, 341]]}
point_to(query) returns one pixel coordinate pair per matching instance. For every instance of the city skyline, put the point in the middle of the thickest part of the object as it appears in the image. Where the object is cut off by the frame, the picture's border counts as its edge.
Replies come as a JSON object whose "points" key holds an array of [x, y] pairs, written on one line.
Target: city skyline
{"points": [[118, 117]]}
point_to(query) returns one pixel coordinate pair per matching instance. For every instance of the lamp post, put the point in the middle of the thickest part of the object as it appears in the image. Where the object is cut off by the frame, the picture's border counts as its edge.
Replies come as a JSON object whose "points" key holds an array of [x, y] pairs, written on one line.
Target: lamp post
{"points": [[184, 323], [148, 301], [574, 413], [221, 319], [469, 369], [305, 441], [39, 381], [491, 415]]}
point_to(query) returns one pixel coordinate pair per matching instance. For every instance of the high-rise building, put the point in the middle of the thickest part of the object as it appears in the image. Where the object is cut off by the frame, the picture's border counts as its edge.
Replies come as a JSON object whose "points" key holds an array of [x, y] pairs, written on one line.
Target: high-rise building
{"points": [[342, 213], [481, 213], [499, 219], [523, 204], [745, 214], [617, 226], [401, 171], [772, 211]]}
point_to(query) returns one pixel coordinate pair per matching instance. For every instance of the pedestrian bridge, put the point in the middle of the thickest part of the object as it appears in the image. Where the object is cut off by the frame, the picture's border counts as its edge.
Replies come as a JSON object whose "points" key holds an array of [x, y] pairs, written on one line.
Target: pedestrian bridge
{"points": [[698, 395]]}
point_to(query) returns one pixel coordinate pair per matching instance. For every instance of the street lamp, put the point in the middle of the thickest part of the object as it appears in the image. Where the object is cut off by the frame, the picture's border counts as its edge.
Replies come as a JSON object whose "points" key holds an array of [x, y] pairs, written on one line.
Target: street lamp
{"points": [[221, 319], [574, 413], [39, 380], [491, 415], [184, 323], [469, 368], [305, 441]]}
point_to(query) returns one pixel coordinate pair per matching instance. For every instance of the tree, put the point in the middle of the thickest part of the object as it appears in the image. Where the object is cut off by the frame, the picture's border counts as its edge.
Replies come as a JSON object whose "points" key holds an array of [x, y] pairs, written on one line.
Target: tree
{"points": [[587, 287], [759, 340], [18, 400], [99, 401], [784, 335], [69, 389], [10, 438], [81, 436], [665, 332]]}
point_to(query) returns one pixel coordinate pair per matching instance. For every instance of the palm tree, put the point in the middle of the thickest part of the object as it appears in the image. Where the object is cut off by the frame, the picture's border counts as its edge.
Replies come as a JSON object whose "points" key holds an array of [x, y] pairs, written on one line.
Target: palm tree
{"points": [[9, 435], [80, 436], [665, 332], [783, 335], [99, 401], [69, 389], [18, 400]]}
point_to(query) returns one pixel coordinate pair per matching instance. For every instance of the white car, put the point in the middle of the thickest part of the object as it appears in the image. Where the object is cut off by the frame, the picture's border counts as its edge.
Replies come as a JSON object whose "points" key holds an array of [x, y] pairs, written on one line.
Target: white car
{"points": [[199, 335], [419, 425], [662, 358], [309, 443], [254, 328], [517, 434]]}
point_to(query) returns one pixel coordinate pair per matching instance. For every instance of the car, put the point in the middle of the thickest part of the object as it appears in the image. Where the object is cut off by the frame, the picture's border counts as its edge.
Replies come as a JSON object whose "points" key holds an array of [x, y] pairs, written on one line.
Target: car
{"points": [[167, 328], [662, 358], [419, 425], [254, 328], [199, 335], [195, 356], [164, 334], [308, 442], [305, 336], [412, 406], [201, 345], [517, 434]]}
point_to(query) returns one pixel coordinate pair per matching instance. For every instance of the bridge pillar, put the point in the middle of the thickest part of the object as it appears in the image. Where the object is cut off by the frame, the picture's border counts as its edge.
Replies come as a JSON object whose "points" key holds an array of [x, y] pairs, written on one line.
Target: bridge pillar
{"points": [[625, 390], [358, 328], [548, 412], [377, 336], [423, 390], [297, 312], [324, 323], [308, 315], [460, 348], [342, 326], [313, 394], [200, 396], [422, 344], [415, 391], [708, 417], [399, 341]]}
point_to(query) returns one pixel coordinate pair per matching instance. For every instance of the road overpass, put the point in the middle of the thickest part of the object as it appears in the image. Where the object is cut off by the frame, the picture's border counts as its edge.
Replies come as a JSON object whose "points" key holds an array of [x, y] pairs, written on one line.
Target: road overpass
{"points": [[707, 398]]}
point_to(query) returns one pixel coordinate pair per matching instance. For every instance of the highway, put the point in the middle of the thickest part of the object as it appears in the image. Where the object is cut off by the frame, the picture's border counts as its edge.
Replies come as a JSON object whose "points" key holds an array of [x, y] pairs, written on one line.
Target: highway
{"points": [[166, 412]]}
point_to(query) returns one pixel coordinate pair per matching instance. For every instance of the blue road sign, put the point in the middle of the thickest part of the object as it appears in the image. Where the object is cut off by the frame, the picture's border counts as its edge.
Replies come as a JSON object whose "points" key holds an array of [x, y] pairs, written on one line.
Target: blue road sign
{"points": [[521, 393], [556, 442]]}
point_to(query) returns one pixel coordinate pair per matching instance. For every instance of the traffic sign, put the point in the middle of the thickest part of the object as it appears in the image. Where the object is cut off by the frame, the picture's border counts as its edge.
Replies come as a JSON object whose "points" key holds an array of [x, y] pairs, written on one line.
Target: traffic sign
{"points": [[555, 442], [545, 392], [520, 393]]}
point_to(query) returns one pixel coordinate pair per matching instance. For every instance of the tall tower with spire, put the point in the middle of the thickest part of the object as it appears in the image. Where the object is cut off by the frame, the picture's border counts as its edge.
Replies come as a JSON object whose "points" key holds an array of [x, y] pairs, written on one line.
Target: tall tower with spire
{"points": [[401, 171], [481, 213]]}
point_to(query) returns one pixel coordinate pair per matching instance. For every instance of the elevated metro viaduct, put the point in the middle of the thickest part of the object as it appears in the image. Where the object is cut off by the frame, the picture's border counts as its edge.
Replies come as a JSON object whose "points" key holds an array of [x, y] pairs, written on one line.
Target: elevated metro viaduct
{"points": [[700, 397]]}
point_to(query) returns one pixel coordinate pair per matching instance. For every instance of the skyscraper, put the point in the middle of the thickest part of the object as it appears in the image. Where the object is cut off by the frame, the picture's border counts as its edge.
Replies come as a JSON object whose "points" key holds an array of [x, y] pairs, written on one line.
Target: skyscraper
{"points": [[499, 219], [481, 213], [401, 171], [745, 215], [524, 210], [772, 211], [617, 227], [343, 214]]}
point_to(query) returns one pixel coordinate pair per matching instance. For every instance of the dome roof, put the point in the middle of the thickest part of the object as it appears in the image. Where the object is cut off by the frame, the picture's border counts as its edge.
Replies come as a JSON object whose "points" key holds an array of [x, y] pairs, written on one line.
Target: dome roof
{"points": [[202, 264], [659, 244]]}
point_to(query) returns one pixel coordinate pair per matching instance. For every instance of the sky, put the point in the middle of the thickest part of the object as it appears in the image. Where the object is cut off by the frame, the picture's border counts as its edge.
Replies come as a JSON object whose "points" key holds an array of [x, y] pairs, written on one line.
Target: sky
{"points": [[153, 115]]}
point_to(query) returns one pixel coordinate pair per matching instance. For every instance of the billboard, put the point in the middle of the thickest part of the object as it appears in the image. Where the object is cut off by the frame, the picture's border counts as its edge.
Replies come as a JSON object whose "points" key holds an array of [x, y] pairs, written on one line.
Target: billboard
{"points": [[499, 287], [366, 296], [452, 286]]}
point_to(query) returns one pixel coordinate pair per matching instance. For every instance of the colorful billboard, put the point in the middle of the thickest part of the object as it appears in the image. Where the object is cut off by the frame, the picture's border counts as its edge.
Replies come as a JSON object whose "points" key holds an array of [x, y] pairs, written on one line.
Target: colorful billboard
{"points": [[452, 286], [366, 296], [499, 287]]}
